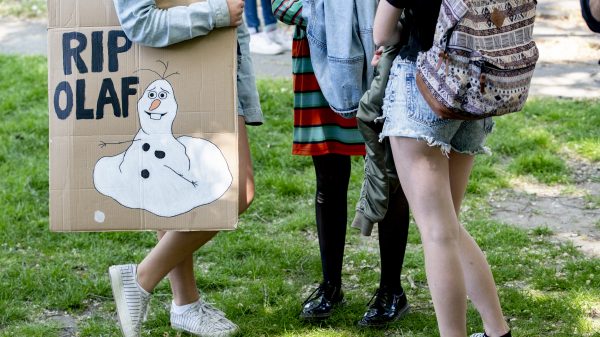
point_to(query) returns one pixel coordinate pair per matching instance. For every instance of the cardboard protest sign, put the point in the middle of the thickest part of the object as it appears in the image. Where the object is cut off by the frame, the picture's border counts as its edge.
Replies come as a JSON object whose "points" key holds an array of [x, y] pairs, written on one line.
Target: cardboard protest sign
{"points": [[140, 138]]}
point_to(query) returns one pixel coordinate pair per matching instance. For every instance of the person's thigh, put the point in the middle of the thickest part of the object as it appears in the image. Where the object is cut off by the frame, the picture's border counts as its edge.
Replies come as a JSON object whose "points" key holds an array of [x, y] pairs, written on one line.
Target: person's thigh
{"points": [[424, 174]]}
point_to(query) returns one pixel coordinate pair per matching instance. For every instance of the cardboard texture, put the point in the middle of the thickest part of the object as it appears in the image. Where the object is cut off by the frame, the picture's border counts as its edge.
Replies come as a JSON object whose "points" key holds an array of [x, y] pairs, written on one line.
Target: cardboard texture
{"points": [[140, 138]]}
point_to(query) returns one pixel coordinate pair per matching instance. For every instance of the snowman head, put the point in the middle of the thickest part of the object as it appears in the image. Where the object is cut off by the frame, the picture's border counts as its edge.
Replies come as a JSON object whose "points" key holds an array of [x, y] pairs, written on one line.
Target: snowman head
{"points": [[157, 108]]}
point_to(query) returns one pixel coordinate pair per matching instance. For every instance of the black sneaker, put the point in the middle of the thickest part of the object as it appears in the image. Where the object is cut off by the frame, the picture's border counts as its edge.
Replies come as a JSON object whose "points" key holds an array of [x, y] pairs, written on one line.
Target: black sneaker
{"points": [[384, 307], [320, 303]]}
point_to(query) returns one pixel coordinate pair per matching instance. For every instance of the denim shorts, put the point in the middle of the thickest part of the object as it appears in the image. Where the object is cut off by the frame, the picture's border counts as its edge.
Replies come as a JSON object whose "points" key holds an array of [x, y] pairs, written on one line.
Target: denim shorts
{"points": [[407, 114]]}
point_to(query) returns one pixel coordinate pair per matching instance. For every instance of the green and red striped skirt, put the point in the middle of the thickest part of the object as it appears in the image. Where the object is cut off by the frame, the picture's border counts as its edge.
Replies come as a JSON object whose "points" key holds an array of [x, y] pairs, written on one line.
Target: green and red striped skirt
{"points": [[317, 129]]}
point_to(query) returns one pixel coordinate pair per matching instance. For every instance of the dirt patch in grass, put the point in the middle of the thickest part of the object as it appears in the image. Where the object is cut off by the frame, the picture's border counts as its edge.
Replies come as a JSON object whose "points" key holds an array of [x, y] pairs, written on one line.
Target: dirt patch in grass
{"points": [[567, 212]]}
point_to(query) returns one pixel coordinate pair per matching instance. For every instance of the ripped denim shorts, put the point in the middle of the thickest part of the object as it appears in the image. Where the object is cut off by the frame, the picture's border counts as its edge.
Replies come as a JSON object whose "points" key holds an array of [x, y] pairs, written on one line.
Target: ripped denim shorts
{"points": [[407, 114]]}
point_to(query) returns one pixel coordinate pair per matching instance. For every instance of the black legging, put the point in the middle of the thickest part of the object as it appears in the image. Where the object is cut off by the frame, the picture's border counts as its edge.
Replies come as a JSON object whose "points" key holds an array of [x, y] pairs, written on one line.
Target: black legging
{"points": [[331, 202], [393, 235]]}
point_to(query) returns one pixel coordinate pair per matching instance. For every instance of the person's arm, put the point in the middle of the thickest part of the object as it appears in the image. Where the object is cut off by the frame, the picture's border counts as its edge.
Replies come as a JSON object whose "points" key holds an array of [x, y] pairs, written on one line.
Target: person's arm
{"points": [[288, 12], [146, 24], [386, 27]]}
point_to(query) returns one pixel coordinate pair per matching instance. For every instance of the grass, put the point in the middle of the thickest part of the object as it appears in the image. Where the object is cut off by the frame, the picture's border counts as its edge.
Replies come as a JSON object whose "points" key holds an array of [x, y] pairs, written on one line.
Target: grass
{"points": [[260, 273], [23, 8]]}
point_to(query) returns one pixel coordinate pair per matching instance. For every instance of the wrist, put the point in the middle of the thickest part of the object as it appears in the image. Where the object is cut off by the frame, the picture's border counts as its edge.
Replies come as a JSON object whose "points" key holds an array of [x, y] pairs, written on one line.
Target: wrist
{"points": [[220, 11]]}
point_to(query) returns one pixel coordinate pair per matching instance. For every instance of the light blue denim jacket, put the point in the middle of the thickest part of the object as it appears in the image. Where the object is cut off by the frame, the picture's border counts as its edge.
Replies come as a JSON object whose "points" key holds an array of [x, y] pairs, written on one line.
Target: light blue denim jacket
{"points": [[146, 24], [340, 36]]}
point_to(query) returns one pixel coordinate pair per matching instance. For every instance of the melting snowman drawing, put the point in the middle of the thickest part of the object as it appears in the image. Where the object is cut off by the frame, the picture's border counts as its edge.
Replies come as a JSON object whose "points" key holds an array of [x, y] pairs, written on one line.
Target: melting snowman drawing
{"points": [[164, 175]]}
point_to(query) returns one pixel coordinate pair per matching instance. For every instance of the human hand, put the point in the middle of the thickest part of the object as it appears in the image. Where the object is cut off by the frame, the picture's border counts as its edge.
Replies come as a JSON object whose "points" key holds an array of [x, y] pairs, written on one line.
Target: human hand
{"points": [[377, 57], [236, 11]]}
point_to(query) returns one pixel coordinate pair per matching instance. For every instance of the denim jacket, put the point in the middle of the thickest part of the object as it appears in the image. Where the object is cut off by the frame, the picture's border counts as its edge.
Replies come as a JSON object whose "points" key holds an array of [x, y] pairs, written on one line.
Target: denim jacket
{"points": [[148, 25], [340, 36]]}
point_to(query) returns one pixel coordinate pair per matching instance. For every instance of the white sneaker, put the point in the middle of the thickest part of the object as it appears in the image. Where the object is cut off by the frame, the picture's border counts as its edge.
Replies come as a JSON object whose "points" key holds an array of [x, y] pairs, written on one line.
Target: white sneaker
{"points": [[281, 38], [203, 320], [260, 43], [130, 298], [210, 307]]}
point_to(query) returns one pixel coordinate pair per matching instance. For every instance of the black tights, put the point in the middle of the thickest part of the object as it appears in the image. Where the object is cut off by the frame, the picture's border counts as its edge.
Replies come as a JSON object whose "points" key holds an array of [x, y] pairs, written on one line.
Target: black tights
{"points": [[331, 202], [393, 235]]}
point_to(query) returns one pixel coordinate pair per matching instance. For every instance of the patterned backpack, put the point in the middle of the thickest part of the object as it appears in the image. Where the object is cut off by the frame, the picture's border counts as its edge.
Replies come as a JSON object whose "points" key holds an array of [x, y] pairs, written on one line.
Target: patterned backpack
{"points": [[482, 58]]}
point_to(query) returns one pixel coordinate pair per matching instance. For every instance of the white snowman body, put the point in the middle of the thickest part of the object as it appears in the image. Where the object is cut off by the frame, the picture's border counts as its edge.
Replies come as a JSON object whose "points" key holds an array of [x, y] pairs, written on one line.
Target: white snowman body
{"points": [[162, 174]]}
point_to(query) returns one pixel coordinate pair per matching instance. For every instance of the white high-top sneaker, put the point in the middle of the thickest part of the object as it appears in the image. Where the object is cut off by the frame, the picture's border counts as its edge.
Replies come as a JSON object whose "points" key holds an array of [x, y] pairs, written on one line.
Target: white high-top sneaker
{"points": [[202, 319], [260, 43], [130, 298], [281, 38]]}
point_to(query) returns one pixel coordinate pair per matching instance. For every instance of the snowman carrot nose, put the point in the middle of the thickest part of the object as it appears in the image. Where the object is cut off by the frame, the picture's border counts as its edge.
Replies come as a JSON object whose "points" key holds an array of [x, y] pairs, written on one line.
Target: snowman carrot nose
{"points": [[155, 104]]}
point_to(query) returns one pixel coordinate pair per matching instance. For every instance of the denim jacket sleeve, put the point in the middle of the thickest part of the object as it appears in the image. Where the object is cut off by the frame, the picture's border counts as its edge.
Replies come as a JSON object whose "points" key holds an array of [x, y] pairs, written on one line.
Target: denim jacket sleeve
{"points": [[288, 12], [146, 24]]}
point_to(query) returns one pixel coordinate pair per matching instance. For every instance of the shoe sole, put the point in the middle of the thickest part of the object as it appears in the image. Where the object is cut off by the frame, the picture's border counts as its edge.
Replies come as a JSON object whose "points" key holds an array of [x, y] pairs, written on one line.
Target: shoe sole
{"points": [[403, 312], [221, 334], [116, 283]]}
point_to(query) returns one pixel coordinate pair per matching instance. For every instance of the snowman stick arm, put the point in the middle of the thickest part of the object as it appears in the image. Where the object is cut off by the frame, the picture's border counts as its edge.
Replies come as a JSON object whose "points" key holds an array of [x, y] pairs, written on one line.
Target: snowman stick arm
{"points": [[103, 143], [182, 176]]}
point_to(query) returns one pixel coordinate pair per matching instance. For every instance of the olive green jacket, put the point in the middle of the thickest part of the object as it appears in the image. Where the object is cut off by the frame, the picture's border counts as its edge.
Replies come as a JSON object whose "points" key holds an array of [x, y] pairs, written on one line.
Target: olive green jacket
{"points": [[380, 179]]}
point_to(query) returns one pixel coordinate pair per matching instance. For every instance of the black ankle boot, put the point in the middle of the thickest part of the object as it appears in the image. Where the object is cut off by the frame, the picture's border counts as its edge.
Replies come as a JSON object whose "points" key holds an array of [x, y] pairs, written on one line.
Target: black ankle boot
{"points": [[320, 303], [384, 307]]}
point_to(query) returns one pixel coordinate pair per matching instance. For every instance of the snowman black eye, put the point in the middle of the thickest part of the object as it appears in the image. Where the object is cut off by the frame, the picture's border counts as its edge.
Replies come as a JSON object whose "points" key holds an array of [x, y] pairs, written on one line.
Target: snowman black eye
{"points": [[151, 94], [163, 95]]}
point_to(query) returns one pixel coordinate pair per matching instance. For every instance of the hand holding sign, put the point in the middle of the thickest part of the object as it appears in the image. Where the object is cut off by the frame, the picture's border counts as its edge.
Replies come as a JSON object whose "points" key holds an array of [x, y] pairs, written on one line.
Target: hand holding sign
{"points": [[236, 11]]}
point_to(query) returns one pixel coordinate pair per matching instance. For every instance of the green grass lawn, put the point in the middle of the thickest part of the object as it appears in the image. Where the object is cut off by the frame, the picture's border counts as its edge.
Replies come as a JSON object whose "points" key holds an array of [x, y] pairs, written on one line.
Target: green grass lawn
{"points": [[23, 8], [260, 273]]}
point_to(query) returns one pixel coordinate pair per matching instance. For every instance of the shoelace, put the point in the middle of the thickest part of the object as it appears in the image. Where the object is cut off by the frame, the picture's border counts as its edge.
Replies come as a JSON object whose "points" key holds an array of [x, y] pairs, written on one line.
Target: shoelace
{"points": [[373, 297], [315, 293], [210, 307], [213, 315]]}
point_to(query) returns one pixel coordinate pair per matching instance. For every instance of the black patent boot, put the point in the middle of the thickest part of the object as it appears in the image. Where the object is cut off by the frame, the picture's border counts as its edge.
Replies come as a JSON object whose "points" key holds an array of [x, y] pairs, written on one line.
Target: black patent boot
{"points": [[385, 306], [320, 303]]}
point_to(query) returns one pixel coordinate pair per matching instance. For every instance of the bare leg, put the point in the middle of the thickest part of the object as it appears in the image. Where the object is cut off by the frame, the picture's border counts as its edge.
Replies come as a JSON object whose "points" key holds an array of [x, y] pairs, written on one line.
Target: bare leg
{"points": [[246, 173], [424, 175], [479, 281], [181, 275], [183, 282], [173, 249]]}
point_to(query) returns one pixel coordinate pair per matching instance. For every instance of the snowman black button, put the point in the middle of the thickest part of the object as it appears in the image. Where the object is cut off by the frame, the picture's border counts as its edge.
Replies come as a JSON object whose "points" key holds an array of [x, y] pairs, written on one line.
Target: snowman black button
{"points": [[159, 154], [145, 174], [146, 147]]}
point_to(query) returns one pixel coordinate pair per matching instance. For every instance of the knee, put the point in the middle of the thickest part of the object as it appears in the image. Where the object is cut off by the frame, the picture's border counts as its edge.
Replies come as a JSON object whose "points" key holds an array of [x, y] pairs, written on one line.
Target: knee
{"points": [[440, 236]]}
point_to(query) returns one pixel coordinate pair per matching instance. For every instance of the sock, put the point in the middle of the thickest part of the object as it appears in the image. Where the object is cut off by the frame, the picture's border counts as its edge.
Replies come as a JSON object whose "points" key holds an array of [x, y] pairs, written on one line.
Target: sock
{"points": [[180, 309], [505, 335]]}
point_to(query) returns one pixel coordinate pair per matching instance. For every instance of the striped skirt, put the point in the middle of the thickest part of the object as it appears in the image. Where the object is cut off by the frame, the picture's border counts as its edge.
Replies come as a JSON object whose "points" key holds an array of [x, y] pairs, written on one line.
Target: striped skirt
{"points": [[317, 129]]}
